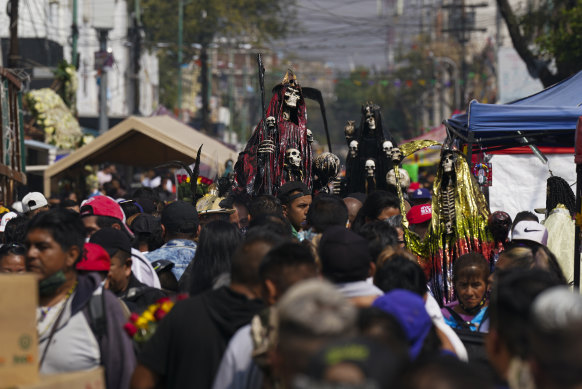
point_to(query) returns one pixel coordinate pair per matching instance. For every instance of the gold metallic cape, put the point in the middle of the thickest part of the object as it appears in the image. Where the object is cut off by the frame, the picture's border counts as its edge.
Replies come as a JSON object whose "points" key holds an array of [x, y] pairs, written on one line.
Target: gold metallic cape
{"points": [[438, 251]]}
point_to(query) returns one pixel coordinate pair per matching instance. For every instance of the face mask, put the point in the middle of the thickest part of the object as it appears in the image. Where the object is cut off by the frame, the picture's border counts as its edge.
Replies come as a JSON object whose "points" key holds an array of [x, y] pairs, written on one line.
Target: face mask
{"points": [[49, 285]]}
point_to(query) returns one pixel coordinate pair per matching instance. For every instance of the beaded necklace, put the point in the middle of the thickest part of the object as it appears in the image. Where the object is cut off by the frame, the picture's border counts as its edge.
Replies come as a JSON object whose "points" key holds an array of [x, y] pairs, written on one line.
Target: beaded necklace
{"points": [[45, 310]]}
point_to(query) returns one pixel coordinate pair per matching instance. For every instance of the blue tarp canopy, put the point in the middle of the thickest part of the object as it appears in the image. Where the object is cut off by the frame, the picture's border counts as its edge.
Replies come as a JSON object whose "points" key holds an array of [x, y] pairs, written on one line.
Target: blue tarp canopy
{"points": [[548, 118]]}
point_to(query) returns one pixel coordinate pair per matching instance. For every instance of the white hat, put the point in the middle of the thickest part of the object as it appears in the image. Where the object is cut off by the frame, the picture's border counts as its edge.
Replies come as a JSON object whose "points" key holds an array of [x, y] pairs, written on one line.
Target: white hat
{"points": [[5, 219], [530, 230], [32, 201], [17, 206]]}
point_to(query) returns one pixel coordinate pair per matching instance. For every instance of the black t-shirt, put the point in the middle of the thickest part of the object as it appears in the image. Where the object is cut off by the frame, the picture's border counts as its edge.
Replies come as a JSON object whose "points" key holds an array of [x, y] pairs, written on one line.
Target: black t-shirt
{"points": [[187, 346]]}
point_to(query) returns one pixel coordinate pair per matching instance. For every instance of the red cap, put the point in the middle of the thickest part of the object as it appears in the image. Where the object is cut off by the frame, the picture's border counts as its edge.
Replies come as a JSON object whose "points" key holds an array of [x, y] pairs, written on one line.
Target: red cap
{"points": [[419, 214], [94, 258], [413, 186], [104, 206]]}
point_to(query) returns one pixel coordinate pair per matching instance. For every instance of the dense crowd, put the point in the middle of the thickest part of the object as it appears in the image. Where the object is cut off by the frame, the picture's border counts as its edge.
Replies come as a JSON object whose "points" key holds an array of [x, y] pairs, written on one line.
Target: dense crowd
{"points": [[292, 291]]}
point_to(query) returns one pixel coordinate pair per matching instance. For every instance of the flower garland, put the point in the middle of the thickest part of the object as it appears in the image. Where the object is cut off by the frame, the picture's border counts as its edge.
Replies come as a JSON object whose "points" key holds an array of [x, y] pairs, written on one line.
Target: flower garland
{"points": [[142, 327]]}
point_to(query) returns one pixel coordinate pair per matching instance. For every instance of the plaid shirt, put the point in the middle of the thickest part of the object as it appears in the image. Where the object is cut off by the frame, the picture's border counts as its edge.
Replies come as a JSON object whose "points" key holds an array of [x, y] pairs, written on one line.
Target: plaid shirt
{"points": [[179, 251]]}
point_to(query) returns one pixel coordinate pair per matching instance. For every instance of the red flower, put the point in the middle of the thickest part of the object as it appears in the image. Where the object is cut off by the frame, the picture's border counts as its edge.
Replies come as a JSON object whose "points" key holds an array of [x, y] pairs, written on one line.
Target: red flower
{"points": [[181, 296], [159, 314], [163, 300], [133, 317], [130, 328]]}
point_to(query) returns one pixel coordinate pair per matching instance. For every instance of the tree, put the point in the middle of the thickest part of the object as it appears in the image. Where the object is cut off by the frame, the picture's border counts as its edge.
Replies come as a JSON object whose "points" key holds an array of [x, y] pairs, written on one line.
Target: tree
{"points": [[547, 37], [251, 21]]}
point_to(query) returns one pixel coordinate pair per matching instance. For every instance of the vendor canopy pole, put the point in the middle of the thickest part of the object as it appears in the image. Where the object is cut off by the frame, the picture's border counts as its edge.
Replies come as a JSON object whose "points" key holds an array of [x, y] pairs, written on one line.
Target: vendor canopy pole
{"points": [[577, 229]]}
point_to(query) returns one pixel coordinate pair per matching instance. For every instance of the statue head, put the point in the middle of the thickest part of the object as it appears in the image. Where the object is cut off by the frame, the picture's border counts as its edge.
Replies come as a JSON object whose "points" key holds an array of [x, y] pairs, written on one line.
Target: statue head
{"points": [[309, 136], [293, 157], [387, 148], [353, 148], [447, 162], [292, 96], [370, 167]]}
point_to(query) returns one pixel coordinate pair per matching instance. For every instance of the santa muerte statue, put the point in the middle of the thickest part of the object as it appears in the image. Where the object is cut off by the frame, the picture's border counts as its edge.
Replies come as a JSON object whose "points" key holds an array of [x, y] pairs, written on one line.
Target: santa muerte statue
{"points": [[279, 150], [459, 220], [369, 155]]}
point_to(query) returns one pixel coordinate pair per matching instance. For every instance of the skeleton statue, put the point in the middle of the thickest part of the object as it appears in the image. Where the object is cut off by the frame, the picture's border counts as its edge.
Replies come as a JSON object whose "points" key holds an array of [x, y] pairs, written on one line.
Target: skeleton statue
{"points": [[350, 130], [267, 146], [293, 165], [291, 97], [326, 167], [370, 120], [396, 155], [448, 192], [387, 148], [354, 148], [309, 136], [370, 168]]}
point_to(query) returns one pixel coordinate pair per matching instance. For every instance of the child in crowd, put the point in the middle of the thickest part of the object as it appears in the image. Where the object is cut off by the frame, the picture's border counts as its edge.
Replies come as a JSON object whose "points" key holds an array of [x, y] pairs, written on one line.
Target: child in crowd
{"points": [[12, 258], [470, 280]]}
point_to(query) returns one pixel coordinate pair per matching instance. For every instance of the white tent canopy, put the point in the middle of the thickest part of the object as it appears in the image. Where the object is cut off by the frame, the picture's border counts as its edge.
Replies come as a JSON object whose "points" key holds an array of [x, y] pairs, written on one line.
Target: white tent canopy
{"points": [[143, 142]]}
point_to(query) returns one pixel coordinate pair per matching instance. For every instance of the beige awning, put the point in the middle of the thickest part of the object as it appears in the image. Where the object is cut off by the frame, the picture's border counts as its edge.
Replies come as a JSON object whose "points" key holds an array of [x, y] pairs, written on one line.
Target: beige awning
{"points": [[143, 142]]}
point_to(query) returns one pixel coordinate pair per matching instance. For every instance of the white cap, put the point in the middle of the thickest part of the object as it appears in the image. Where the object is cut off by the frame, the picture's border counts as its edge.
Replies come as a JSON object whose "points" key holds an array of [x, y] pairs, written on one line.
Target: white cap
{"points": [[17, 206], [32, 201], [530, 230], [5, 219]]}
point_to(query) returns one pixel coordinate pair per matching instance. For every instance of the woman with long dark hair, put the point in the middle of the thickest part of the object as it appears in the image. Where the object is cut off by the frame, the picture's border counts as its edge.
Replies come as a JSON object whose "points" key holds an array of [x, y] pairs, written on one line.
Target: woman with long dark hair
{"points": [[379, 205], [218, 241]]}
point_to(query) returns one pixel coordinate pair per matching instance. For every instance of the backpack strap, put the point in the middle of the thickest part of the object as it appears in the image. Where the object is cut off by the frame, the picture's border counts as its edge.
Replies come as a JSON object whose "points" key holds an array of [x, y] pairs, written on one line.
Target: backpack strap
{"points": [[96, 314], [459, 320]]}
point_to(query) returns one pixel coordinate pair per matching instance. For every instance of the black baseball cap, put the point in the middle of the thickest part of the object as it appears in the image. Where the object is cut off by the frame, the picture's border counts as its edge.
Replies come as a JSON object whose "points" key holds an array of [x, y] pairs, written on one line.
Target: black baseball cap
{"points": [[344, 255], [112, 240], [180, 216], [145, 223], [290, 187]]}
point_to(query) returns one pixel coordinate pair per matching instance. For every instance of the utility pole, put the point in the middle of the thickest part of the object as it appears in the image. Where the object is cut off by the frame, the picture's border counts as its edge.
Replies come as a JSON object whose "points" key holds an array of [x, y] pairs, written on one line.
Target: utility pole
{"points": [[103, 118], [14, 53], [180, 54], [466, 22], [136, 48], [231, 93], [75, 35]]}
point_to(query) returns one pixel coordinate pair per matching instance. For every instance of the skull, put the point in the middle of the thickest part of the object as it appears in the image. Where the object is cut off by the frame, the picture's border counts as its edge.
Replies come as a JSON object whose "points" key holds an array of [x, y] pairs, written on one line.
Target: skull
{"points": [[387, 147], [353, 148], [309, 136], [293, 157], [370, 167], [371, 121], [291, 97], [350, 129], [396, 154], [447, 162], [271, 122]]}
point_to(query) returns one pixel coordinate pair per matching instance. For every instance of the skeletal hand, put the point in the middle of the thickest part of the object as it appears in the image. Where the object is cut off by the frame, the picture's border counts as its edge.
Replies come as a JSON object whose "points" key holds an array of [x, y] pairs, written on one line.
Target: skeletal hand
{"points": [[267, 147]]}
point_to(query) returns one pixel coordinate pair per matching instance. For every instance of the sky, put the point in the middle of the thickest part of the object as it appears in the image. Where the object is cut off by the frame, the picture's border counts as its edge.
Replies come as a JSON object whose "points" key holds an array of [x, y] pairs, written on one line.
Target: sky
{"points": [[341, 33]]}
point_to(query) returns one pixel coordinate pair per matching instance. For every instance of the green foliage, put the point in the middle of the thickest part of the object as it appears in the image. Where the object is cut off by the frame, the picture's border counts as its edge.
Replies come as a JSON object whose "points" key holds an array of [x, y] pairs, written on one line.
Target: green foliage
{"points": [[554, 27], [252, 21]]}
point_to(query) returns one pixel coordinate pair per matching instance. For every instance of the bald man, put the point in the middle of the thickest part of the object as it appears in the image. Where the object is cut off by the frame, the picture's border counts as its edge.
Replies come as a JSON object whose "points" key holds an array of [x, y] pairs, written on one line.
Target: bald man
{"points": [[354, 206]]}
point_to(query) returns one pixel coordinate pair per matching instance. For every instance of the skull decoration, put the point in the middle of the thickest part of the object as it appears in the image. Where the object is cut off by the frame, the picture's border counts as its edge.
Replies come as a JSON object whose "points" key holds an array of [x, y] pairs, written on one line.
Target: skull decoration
{"points": [[396, 154], [371, 121], [350, 129], [309, 136], [293, 158], [447, 162], [353, 148], [370, 167], [387, 148], [271, 122], [292, 96]]}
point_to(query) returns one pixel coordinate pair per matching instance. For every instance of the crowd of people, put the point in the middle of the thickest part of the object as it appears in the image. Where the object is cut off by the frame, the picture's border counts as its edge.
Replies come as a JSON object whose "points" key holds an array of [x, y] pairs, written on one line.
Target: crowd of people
{"points": [[292, 291]]}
